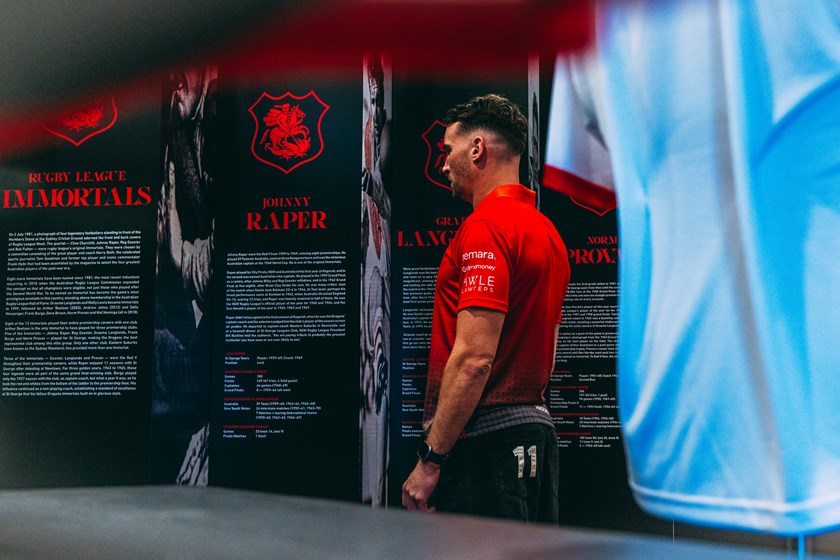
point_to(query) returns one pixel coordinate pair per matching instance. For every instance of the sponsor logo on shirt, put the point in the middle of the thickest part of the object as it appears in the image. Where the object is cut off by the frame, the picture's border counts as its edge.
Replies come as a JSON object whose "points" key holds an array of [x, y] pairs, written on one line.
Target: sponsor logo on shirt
{"points": [[479, 280], [478, 283], [479, 255]]}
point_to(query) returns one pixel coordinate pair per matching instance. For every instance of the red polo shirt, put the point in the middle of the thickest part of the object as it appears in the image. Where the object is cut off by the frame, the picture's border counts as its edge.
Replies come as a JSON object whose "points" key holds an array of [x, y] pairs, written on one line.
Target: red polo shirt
{"points": [[509, 257]]}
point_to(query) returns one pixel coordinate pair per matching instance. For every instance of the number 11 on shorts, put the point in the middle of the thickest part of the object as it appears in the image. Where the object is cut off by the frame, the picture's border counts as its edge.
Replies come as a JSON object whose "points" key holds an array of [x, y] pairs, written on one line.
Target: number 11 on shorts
{"points": [[519, 451]]}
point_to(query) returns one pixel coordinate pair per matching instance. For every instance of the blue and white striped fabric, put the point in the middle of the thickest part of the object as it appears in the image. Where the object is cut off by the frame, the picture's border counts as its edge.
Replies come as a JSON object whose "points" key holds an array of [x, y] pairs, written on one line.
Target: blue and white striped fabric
{"points": [[722, 124]]}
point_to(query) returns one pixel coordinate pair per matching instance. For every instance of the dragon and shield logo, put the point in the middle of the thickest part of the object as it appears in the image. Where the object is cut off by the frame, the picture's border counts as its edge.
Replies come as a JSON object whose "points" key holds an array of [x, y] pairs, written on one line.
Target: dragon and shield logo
{"points": [[288, 129], [85, 122], [436, 156]]}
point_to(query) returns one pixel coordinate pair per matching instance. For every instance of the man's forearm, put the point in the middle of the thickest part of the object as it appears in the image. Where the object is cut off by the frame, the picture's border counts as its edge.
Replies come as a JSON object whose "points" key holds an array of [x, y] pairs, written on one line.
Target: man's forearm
{"points": [[463, 383], [465, 375]]}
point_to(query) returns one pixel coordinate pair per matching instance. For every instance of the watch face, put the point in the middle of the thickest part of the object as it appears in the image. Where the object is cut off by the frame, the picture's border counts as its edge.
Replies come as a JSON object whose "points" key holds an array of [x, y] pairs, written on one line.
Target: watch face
{"points": [[427, 454], [423, 450]]}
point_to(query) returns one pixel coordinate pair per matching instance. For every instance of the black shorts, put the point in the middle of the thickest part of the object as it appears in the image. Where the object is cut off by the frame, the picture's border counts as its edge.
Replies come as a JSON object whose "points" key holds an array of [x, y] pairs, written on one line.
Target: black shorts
{"points": [[511, 473]]}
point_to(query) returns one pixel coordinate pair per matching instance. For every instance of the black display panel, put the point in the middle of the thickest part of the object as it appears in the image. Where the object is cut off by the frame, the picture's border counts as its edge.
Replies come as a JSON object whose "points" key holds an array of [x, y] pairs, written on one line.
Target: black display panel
{"points": [[77, 237], [285, 355]]}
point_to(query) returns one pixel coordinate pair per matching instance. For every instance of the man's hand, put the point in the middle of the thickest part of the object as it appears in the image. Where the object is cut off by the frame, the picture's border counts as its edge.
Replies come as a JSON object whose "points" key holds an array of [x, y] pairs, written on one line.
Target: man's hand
{"points": [[419, 486]]}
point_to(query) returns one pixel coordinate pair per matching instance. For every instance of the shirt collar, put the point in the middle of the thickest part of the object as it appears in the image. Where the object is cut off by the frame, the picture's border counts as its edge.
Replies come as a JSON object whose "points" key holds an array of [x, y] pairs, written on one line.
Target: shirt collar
{"points": [[518, 192]]}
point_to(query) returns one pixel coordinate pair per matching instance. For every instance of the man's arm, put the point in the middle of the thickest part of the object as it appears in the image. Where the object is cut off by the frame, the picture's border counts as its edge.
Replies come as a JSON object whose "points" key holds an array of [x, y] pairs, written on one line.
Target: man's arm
{"points": [[465, 375], [464, 378]]}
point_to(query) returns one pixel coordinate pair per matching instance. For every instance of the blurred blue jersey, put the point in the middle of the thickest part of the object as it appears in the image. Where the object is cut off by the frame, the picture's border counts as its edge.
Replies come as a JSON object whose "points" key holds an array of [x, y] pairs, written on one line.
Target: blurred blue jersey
{"points": [[721, 121]]}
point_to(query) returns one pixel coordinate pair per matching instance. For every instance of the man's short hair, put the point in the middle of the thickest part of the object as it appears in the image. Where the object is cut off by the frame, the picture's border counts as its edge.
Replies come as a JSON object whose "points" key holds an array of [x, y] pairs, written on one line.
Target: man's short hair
{"points": [[495, 113]]}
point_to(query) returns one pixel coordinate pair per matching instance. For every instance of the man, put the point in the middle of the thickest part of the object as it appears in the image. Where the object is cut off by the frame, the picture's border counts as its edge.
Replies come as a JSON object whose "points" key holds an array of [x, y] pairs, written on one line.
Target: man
{"points": [[491, 446]]}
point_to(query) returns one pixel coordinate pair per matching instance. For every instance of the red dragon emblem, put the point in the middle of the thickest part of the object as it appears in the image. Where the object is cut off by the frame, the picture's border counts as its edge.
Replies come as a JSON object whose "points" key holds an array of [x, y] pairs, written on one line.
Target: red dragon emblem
{"points": [[436, 156], [288, 129], [85, 122]]}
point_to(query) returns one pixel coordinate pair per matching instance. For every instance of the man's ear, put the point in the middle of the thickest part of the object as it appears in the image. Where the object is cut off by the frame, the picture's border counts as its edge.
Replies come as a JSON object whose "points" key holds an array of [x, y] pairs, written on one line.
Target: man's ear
{"points": [[479, 148]]}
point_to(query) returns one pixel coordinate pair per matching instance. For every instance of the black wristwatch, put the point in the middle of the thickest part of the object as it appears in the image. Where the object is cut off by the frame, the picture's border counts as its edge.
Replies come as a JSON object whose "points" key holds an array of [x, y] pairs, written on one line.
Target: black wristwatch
{"points": [[427, 454]]}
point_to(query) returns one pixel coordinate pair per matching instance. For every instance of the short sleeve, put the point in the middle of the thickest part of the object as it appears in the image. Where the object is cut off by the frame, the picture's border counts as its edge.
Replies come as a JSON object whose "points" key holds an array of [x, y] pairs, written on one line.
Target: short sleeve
{"points": [[483, 262]]}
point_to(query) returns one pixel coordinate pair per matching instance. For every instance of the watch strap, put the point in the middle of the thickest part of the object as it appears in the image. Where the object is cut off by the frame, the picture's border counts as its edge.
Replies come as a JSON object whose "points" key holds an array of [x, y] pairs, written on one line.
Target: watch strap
{"points": [[428, 455]]}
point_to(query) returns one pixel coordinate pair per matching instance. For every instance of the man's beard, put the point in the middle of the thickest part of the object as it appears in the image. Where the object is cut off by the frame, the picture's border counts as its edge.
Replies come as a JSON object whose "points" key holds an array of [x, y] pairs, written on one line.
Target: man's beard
{"points": [[459, 171]]}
